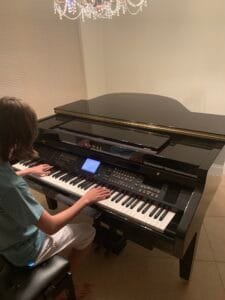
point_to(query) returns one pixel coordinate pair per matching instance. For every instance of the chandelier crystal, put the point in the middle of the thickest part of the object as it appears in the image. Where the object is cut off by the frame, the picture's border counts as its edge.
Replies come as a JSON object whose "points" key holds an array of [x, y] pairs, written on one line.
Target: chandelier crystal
{"points": [[97, 9]]}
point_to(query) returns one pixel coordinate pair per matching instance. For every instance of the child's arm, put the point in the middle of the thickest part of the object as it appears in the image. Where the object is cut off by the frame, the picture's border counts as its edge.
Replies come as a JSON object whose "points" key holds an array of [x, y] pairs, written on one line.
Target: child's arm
{"points": [[39, 170], [50, 224]]}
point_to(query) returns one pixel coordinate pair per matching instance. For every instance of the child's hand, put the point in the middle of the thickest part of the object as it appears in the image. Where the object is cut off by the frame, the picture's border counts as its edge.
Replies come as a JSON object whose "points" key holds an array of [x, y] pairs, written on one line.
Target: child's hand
{"points": [[95, 195], [40, 170]]}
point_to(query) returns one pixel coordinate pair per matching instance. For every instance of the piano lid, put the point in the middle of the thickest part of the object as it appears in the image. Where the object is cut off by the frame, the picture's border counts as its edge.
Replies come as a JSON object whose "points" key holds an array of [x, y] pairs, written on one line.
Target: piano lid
{"points": [[139, 138], [147, 111]]}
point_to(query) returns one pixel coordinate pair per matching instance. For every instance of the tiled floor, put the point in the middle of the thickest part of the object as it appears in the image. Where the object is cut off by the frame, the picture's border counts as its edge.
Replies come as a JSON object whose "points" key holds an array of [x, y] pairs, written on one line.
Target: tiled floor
{"points": [[140, 274]]}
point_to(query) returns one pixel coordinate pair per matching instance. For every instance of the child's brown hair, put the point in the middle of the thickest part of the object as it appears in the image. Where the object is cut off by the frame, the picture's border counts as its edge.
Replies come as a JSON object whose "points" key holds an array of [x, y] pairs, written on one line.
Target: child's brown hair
{"points": [[18, 129]]}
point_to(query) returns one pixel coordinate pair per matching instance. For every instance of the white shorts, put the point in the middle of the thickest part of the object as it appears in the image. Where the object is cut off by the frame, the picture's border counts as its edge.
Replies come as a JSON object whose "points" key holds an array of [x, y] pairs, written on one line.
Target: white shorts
{"points": [[77, 236]]}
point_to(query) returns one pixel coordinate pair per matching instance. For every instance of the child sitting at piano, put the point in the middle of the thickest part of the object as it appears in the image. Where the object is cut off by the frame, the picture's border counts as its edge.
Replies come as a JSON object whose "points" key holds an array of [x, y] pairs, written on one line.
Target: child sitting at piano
{"points": [[29, 234]]}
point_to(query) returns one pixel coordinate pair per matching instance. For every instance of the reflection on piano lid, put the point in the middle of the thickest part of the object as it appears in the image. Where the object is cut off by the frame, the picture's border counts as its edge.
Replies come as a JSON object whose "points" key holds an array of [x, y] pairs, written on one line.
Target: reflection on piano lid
{"points": [[138, 138], [147, 111]]}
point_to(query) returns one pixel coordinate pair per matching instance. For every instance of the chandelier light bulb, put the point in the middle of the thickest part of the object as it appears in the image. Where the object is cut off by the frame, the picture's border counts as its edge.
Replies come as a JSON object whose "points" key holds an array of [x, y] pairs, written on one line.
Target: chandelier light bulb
{"points": [[96, 9]]}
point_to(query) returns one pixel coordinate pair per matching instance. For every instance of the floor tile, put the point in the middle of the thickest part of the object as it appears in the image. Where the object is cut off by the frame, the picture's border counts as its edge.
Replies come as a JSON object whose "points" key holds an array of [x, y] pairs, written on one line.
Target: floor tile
{"points": [[150, 279], [221, 268], [204, 250], [215, 229], [217, 205]]}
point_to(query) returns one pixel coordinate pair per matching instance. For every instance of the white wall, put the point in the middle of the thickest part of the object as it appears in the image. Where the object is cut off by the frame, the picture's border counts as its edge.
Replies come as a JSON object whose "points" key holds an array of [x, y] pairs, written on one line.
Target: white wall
{"points": [[92, 44], [40, 56], [174, 48]]}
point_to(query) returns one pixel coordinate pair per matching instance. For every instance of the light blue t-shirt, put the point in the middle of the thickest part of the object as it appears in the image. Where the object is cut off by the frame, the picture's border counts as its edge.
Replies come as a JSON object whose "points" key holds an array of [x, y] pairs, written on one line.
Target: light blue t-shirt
{"points": [[20, 239]]}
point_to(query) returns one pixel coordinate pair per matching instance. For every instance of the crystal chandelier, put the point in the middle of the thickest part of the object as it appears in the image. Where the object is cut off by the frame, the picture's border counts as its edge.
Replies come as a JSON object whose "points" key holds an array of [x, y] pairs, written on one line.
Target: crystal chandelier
{"points": [[95, 9]]}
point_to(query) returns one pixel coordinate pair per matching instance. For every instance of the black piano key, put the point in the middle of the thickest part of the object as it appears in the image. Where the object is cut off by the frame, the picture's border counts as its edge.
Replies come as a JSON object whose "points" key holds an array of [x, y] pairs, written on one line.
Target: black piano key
{"points": [[59, 174], [146, 208], [141, 207], [53, 170], [54, 173], [113, 193], [126, 200], [153, 211], [80, 185], [75, 181], [71, 179], [120, 198], [67, 177], [23, 162], [163, 215], [135, 203], [88, 185], [31, 163], [130, 202], [158, 213], [35, 163], [116, 196], [27, 162], [94, 185], [85, 185]]}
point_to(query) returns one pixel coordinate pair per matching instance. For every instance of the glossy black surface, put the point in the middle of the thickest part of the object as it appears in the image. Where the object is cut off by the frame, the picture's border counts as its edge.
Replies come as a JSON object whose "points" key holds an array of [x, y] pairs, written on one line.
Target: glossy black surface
{"points": [[149, 109], [134, 137]]}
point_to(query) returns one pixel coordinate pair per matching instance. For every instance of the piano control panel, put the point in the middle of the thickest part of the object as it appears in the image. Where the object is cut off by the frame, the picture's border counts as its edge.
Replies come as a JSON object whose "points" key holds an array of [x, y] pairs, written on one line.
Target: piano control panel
{"points": [[102, 173]]}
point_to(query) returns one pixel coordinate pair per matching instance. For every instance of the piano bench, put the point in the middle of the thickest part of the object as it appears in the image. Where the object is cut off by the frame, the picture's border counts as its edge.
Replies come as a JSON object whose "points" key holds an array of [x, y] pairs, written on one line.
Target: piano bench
{"points": [[41, 282]]}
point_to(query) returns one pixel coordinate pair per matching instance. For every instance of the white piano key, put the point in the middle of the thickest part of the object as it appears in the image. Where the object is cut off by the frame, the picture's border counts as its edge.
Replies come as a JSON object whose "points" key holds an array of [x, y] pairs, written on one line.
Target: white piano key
{"points": [[132, 213]]}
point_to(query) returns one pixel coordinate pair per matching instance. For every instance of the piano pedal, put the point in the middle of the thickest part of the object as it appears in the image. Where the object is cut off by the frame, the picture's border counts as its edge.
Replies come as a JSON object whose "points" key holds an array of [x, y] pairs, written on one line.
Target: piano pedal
{"points": [[111, 240]]}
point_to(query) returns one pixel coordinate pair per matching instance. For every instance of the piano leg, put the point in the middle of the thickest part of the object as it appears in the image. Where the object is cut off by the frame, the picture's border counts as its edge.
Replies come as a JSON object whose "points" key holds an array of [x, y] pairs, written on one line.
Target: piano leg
{"points": [[187, 259]]}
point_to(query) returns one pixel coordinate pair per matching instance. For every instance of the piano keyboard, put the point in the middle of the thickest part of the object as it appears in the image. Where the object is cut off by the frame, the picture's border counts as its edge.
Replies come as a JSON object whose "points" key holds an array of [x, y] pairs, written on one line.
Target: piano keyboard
{"points": [[129, 206]]}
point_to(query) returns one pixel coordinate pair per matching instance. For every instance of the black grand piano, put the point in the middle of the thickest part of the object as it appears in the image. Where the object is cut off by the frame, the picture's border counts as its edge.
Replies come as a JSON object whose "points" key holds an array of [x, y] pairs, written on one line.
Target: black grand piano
{"points": [[162, 163]]}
